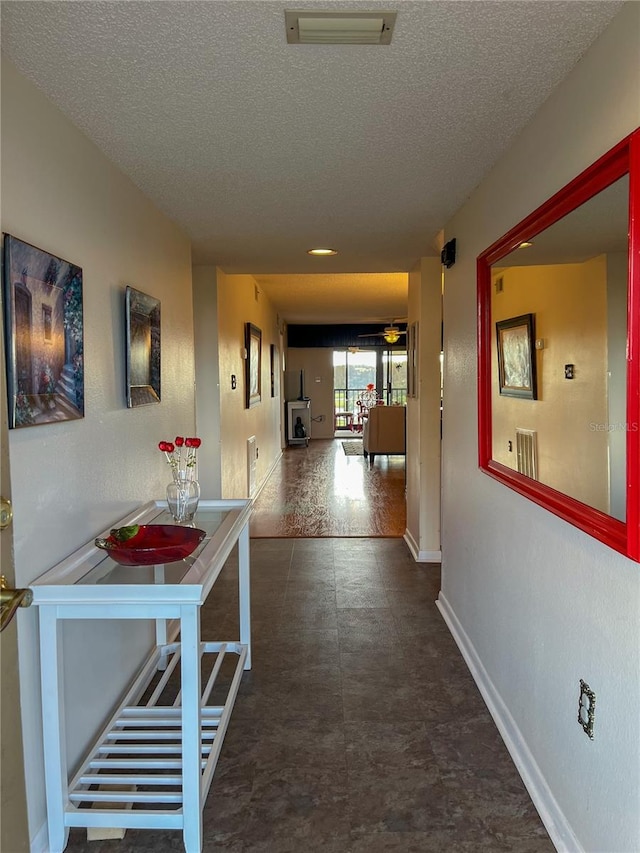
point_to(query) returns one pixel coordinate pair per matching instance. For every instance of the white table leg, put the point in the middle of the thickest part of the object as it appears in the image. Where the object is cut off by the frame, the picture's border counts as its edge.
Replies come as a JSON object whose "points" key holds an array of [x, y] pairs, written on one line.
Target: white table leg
{"points": [[244, 577], [53, 731], [191, 752], [161, 624]]}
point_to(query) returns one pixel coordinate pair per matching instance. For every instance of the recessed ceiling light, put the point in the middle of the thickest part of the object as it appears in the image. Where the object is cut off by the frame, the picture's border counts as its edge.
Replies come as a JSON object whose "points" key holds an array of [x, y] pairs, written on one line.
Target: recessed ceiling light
{"points": [[341, 27], [525, 245], [321, 252]]}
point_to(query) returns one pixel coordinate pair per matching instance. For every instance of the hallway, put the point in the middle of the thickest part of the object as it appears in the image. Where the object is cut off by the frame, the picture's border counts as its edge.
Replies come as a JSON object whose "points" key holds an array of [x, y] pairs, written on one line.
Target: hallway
{"points": [[359, 728], [320, 491]]}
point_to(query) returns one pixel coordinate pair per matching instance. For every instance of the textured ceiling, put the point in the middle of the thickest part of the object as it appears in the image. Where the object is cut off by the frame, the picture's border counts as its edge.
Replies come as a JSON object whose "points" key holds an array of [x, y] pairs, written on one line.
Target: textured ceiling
{"points": [[260, 150]]}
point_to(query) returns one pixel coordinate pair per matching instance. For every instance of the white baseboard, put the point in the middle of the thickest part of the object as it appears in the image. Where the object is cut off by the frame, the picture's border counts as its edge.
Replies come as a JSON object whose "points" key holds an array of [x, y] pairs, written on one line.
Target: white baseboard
{"points": [[265, 479], [418, 555], [552, 816], [429, 556]]}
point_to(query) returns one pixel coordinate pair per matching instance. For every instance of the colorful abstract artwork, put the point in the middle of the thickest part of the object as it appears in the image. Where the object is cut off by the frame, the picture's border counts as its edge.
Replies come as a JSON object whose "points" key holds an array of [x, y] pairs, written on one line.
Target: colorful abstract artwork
{"points": [[43, 336]]}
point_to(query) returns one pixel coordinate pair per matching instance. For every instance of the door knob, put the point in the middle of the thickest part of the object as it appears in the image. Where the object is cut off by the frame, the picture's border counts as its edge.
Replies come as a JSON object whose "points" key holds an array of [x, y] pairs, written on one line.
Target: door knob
{"points": [[6, 513], [10, 600]]}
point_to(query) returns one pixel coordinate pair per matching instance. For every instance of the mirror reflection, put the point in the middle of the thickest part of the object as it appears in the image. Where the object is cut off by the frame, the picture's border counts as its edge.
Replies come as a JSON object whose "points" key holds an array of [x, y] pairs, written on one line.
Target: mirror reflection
{"points": [[558, 372]]}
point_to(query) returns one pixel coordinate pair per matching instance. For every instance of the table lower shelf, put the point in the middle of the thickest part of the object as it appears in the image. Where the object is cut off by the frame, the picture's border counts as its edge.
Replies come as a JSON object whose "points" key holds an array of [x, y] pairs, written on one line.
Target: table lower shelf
{"points": [[132, 776]]}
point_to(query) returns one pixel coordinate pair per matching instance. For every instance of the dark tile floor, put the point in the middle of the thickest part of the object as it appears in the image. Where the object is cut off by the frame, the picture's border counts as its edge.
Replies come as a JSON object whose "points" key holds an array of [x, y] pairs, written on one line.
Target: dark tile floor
{"points": [[359, 727]]}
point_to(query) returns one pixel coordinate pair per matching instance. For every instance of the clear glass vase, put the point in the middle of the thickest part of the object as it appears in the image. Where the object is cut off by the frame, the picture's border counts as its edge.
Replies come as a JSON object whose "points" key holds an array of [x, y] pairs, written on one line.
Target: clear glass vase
{"points": [[183, 495]]}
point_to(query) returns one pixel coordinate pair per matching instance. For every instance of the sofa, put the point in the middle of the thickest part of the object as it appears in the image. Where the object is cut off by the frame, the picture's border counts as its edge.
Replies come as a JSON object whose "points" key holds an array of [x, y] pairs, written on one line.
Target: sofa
{"points": [[384, 431]]}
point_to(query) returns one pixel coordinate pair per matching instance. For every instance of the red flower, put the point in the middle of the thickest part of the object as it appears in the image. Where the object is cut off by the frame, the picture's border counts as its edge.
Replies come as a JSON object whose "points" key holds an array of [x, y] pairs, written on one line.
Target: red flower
{"points": [[182, 464], [370, 386]]}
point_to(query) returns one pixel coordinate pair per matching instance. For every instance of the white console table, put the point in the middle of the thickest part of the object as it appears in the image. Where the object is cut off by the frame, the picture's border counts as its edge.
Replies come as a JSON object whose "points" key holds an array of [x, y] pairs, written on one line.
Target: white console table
{"points": [[153, 763]]}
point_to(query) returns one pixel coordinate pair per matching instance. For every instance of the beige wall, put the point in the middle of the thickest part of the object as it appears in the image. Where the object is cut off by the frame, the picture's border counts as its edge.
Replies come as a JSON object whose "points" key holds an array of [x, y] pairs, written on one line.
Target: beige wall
{"points": [[205, 323], [72, 480], [570, 306], [317, 363], [240, 301]]}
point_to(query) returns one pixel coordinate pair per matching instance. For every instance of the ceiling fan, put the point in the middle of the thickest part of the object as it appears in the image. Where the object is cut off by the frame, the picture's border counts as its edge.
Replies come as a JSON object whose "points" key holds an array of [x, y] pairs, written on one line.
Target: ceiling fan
{"points": [[390, 333]]}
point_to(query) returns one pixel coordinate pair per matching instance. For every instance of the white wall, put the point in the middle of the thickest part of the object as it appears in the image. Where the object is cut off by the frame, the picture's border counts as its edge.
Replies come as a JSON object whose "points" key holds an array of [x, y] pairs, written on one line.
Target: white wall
{"points": [[317, 363], [541, 603], [205, 322], [423, 415], [73, 480]]}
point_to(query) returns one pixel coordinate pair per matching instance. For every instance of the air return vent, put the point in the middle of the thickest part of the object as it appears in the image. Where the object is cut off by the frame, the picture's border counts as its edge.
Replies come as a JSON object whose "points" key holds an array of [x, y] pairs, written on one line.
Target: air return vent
{"points": [[352, 27], [527, 452]]}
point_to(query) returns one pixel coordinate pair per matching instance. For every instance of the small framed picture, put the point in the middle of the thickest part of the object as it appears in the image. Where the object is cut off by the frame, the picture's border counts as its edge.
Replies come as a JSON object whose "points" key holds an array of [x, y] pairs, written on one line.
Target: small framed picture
{"points": [[142, 315], [253, 365], [275, 370], [44, 336], [412, 359], [516, 357]]}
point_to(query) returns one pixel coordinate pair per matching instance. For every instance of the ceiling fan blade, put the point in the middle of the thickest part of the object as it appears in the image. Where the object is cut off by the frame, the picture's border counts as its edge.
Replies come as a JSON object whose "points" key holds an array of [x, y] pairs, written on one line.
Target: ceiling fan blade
{"points": [[381, 334]]}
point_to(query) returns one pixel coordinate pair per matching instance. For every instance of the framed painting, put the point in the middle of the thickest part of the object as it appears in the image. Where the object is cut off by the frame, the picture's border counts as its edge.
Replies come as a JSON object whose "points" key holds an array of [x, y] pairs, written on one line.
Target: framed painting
{"points": [[253, 365], [142, 316], [44, 336], [275, 368], [516, 357], [412, 359]]}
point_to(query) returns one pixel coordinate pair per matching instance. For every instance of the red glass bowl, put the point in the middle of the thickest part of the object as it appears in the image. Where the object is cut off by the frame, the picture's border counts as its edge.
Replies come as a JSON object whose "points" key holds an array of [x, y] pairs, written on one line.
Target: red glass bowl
{"points": [[153, 544]]}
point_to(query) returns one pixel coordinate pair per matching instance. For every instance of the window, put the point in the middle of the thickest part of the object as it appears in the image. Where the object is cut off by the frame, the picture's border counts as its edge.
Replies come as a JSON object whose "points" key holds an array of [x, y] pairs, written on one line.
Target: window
{"points": [[355, 369]]}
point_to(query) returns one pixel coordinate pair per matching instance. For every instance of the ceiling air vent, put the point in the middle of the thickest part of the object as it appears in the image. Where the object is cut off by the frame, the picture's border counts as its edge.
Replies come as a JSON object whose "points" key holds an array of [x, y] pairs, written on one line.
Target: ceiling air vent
{"points": [[354, 27]]}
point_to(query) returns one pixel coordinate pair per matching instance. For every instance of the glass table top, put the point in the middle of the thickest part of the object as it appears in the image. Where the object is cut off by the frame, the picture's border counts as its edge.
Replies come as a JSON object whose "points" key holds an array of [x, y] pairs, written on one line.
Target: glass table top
{"points": [[108, 571]]}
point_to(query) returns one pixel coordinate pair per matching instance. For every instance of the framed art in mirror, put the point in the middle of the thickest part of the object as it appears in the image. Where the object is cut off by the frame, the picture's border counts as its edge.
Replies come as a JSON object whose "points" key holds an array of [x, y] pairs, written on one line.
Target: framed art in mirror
{"points": [[559, 324], [142, 314], [516, 363], [44, 336]]}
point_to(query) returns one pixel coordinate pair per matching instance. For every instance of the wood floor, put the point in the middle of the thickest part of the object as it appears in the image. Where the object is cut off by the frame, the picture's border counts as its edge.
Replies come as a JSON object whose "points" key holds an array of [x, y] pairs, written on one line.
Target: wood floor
{"points": [[320, 491]]}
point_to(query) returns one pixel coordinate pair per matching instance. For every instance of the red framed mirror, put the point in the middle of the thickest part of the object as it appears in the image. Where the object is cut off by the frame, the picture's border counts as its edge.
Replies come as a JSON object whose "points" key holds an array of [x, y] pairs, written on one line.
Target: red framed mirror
{"points": [[559, 395]]}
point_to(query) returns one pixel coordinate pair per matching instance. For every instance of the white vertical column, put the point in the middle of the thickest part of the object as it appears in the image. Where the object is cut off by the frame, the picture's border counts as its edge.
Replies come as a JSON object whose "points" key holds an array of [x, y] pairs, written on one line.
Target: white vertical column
{"points": [[244, 581], [53, 731], [191, 750]]}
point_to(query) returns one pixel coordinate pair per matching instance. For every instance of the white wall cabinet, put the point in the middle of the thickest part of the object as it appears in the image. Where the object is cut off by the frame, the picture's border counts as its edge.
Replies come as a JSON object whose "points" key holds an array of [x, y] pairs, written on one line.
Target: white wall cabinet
{"points": [[153, 763]]}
